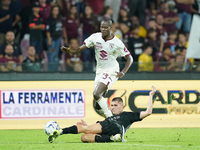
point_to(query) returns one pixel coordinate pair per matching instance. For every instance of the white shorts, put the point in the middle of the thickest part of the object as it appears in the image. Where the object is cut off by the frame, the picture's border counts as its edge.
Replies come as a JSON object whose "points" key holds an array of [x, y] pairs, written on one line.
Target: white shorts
{"points": [[107, 79]]}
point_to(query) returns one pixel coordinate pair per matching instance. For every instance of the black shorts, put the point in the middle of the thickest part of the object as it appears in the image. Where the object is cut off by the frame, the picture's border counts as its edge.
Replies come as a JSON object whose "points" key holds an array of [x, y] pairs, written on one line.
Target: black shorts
{"points": [[110, 128]]}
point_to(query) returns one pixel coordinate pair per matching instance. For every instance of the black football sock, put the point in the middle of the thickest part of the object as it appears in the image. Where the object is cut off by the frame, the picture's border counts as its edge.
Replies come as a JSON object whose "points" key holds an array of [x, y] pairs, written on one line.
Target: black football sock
{"points": [[102, 139], [70, 130]]}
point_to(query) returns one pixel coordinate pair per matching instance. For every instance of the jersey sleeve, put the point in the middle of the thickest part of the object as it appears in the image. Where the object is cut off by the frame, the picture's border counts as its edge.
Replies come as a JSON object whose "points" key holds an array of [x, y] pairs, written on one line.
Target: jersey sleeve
{"points": [[122, 50], [134, 116], [89, 42]]}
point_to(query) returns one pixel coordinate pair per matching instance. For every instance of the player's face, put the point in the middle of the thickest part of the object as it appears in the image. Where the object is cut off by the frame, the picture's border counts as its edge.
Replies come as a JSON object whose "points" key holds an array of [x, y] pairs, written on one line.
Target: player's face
{"points": [[116, 107], [105, 29]]}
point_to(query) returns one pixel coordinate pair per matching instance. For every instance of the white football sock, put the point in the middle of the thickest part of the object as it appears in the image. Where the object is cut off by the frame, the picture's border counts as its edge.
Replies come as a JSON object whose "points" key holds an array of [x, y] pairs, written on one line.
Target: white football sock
{"points": [[104, 106]]}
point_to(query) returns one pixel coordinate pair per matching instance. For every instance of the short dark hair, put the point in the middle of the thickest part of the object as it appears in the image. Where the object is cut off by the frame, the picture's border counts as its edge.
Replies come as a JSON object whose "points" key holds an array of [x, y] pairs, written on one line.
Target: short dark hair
{"points": [[145, 46], [177, 47], [172, 32], [182, 48], [135, 26], [181, 32], [151, 30], [166, 47], [108, 20], [119, 99]]}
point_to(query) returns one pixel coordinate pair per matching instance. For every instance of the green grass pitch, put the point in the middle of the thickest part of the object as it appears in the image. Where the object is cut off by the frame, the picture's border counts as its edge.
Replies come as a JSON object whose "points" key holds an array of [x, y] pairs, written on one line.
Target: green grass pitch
{"points": [[137, 139]]}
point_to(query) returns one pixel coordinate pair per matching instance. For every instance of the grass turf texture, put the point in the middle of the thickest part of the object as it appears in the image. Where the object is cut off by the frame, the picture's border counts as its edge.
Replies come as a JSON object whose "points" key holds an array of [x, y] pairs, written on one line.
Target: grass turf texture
{"points": [[138, 139]]}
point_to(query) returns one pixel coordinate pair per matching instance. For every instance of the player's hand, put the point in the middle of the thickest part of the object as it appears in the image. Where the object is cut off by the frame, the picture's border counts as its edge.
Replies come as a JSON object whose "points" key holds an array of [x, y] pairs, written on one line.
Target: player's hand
{"points": [[120, 74], [153, 90], [83, 123], [65, 49]]}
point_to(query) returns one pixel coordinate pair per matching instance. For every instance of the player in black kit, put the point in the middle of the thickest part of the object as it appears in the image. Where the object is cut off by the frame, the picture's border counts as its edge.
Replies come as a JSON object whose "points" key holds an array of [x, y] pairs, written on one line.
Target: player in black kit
{"points": [[113, 128]]}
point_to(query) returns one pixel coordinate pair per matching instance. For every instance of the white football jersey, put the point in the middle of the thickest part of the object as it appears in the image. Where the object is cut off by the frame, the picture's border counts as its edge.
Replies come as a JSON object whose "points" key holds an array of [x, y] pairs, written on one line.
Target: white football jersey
{"points": [[106, 52]]}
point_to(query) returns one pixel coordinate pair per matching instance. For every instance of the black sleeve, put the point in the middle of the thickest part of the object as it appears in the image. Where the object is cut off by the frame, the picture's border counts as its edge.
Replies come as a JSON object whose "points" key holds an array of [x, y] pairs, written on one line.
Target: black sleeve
{"points": [[134, 116]]}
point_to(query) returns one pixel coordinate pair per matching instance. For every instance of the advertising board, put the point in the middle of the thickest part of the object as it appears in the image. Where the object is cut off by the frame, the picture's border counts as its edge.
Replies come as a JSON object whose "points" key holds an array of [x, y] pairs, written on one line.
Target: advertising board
{"points": [[30, 104]]}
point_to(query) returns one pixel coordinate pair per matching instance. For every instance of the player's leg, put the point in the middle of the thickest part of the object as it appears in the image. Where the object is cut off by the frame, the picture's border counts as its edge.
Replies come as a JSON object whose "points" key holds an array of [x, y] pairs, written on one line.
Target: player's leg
{"points": [[91, 138], [106, 131], [92, 129], [69, 130], [88, 138], [100, 89], [102, 84], [98, 108], [76, 129]]}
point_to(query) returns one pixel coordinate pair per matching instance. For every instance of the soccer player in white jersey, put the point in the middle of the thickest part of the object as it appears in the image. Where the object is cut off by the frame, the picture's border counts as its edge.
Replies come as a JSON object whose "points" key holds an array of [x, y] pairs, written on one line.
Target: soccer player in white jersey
{"points": [[107, 48]]}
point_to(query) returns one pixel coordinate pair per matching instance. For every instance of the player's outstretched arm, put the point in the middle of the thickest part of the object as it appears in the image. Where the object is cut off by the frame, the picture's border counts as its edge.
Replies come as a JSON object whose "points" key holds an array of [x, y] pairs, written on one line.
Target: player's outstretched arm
{"points": [[73, 51], [148, 111], [129, 61]]}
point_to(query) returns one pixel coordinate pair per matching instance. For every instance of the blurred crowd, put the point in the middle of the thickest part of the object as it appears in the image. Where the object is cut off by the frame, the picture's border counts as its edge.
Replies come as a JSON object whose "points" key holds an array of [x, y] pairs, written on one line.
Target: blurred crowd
{"points": [[156, 32]]}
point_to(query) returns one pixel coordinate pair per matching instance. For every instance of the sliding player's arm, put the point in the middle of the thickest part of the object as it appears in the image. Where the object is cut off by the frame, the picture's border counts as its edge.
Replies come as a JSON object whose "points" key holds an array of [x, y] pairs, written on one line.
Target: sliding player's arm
{"points": [[74, 51], [148, 111]]}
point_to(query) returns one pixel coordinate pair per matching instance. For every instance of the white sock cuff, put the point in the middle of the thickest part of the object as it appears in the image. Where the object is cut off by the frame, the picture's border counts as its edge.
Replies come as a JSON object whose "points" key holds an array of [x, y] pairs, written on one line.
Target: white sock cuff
{"points": [[99, 99]]}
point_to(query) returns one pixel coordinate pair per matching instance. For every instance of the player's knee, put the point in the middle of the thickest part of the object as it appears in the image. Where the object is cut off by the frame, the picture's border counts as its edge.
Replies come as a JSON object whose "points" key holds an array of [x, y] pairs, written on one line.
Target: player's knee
{"points": [[96, 95], [84, 138]]}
